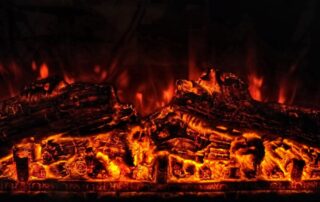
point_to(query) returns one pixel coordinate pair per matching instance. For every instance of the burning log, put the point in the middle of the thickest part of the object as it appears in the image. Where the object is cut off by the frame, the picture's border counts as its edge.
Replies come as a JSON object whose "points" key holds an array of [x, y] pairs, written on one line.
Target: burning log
{"points": [[51, 106], [215, 119], [211, 130], [223, 99]]}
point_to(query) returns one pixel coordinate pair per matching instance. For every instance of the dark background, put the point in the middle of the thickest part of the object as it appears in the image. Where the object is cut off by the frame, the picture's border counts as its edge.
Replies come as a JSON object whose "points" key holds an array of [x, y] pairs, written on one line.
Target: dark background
{"points": [[145, 45]]}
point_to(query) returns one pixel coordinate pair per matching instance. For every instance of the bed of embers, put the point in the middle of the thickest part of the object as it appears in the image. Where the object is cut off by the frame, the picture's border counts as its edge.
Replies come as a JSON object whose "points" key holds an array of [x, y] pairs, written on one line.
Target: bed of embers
{"points": [[211, 137]]}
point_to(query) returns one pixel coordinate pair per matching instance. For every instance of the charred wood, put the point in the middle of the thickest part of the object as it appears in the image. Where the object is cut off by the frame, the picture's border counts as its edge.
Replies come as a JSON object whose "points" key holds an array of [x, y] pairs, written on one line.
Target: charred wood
{"points": [[52, 106], [223, 99]]}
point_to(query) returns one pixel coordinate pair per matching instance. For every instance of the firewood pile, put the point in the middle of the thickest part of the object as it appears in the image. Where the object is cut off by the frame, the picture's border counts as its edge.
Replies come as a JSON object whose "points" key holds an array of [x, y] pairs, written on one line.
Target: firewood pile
{"points": [[211, 132]]}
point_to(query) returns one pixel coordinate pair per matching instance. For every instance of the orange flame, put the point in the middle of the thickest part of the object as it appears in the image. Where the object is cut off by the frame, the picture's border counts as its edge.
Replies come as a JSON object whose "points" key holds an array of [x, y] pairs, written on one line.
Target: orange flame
{"points": [[68, 79], [282, 95], [168, 93], [287, 93], [147, 99], [139, 98], [44, 71], [255, 85]]}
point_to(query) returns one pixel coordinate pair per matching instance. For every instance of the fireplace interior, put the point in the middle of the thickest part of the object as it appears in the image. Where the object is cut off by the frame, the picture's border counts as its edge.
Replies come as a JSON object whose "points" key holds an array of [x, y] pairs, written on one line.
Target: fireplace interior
{"points": [[159, 100]]}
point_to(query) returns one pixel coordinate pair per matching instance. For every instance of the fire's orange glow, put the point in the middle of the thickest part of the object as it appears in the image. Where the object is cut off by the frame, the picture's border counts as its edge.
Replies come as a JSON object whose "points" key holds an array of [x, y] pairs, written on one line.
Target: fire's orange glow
{"points": [[255, 86], [287, 92], [102, 157], [155, 92], [139, 98], [282, 95], [201, 152], [44, 71], [168, 94], [147, 104], [68, 79], [193, 70]]}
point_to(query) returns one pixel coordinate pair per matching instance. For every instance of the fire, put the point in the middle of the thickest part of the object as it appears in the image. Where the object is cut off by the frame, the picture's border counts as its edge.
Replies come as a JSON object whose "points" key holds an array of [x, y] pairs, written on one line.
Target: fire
{"points": [[255, 86], [155, 94], [147, 95], [282, 95], [103, 157], [61, 157], [168, 94], [100, 72], [139, 99], [287, 92], [173, 145], [146, 105], [44, 71], [68, 79]]}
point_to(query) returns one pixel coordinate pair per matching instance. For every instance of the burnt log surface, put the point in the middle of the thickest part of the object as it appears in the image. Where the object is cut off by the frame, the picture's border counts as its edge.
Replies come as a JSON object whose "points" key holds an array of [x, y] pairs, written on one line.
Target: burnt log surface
{"points": [[229, 103], [52, 106]]}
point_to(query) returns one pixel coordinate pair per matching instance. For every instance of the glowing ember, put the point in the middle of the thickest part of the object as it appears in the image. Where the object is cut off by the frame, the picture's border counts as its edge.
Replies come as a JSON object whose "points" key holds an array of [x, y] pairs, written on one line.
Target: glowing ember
{"points": [[190, 146]]}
